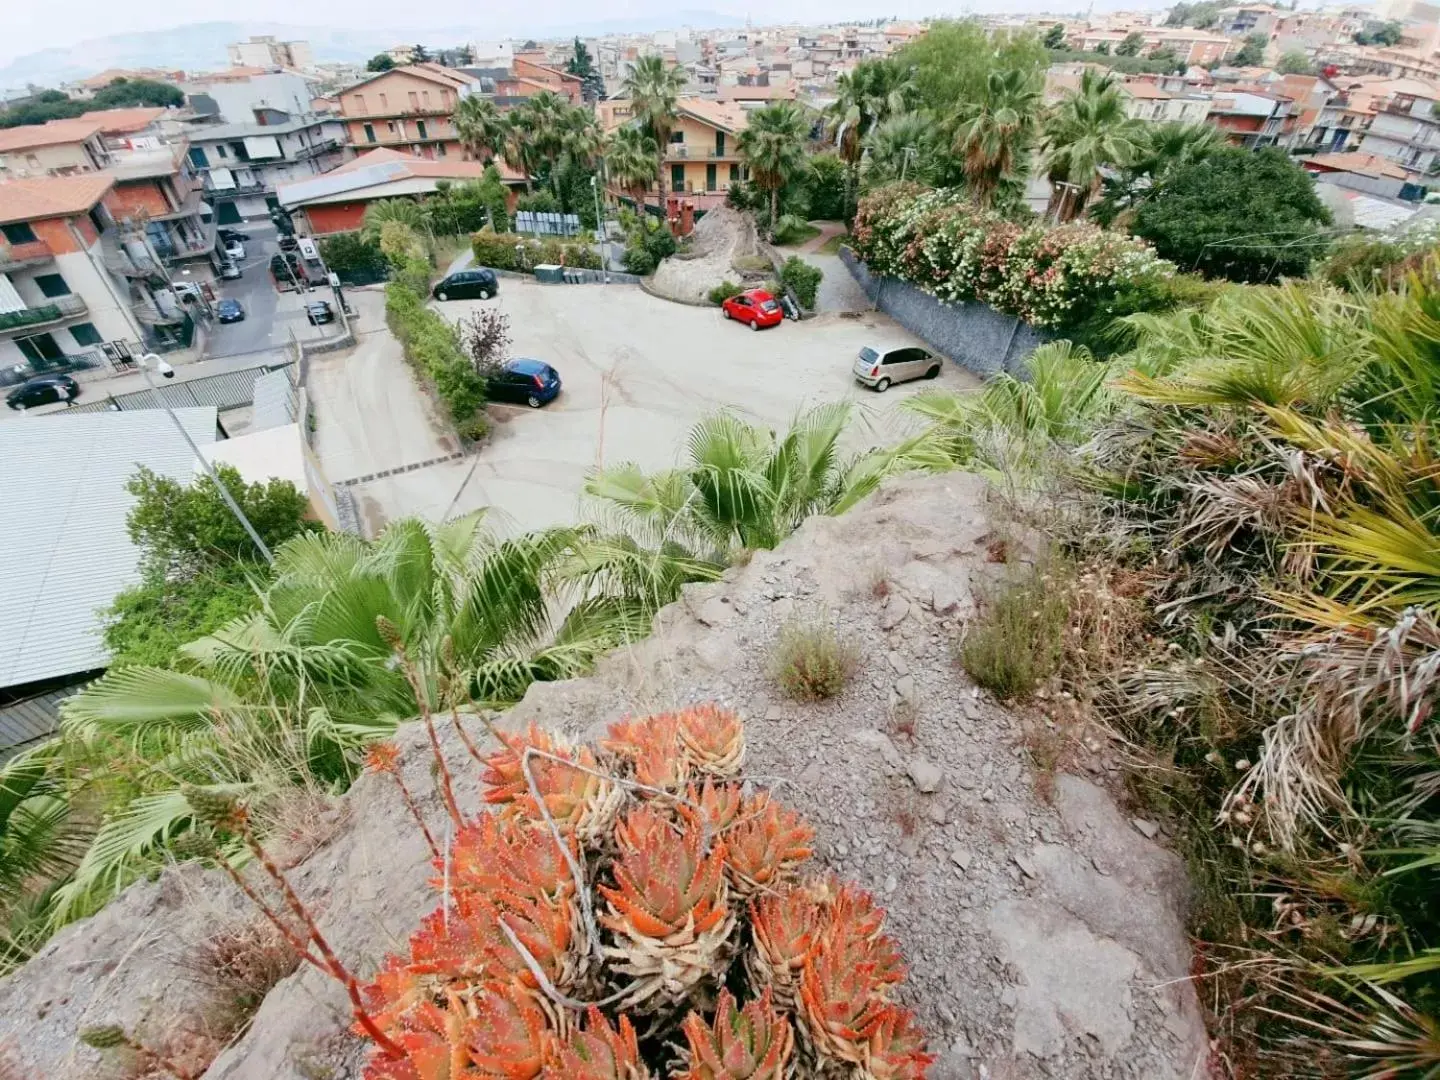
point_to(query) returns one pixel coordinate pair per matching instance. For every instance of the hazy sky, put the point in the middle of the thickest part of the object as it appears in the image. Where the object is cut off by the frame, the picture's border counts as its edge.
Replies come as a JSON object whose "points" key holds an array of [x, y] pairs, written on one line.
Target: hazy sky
{"points": [[30, 25]]}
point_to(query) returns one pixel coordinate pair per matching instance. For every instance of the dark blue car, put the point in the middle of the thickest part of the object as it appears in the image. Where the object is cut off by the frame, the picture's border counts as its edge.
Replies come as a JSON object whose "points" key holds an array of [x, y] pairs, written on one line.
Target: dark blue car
{"points": [[525, 382], [229, 311]]}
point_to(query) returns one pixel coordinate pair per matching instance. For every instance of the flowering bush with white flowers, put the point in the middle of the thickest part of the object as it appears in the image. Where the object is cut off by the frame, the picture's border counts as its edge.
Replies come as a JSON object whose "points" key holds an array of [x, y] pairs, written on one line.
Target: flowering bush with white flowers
{"points": [[1050, 276]]}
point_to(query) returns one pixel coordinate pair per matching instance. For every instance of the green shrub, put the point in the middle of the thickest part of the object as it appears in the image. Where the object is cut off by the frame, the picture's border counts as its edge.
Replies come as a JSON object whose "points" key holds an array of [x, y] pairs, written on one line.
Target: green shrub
{"points": [[722, 292], [538, 202], [475, 428], [811, 663], [647, 242], [800, 276], [1050, 276], [791, 229], [431, 344], [355, 257], [1384, 259], [511, 251], [1017, 641]]}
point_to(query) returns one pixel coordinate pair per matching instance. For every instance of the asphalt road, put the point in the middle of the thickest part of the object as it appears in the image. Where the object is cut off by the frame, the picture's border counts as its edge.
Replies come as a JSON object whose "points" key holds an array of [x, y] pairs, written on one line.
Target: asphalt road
{"points": [[270, 316], [638, 373]]}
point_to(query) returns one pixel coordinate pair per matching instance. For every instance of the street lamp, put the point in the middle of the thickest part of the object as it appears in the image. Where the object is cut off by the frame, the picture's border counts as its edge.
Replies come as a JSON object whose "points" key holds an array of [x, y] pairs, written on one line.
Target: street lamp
{"points": [[168, 372]]}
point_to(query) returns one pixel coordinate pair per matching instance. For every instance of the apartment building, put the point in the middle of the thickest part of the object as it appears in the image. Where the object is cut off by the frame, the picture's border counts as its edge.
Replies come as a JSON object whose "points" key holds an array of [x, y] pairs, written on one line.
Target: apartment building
{"points": [[407, 108], [59, 148], [237, 95], [1250, 118], [1404, 128], [702, 159], [267, 52], [242, 165], [59, 304], [1146, 101]]}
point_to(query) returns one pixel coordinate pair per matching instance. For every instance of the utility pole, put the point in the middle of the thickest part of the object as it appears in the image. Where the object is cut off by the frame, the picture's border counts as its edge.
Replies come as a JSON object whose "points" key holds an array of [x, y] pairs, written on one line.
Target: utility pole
{"points": [[168, 372], [600, 230]]}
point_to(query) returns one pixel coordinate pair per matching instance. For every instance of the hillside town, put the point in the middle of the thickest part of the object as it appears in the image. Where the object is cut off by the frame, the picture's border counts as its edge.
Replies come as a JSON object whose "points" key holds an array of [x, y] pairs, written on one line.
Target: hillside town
{"points": [[887, 550]]}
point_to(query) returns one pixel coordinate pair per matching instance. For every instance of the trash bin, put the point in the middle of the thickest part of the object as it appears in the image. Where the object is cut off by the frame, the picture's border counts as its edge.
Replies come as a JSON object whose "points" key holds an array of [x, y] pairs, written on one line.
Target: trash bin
{"points": [[550, 274]]}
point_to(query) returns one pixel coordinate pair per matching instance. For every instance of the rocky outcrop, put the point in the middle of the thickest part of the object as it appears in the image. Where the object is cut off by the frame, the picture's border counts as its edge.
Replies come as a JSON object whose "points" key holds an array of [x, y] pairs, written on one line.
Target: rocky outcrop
{"points": [[1044, 934]]}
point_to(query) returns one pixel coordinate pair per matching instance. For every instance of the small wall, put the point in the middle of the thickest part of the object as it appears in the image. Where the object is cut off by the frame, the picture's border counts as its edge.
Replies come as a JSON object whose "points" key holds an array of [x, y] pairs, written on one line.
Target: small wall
{"points": [[975, 336]]}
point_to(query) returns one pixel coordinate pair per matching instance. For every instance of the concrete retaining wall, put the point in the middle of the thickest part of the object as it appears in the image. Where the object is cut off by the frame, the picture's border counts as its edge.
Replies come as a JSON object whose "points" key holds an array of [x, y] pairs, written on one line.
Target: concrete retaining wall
{"points": [[975, 336]]}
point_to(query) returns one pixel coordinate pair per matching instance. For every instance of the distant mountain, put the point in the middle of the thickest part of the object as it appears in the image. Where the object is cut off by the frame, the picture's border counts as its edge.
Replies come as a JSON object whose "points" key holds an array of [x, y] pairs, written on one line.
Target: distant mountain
{"points": [[201, 46]]}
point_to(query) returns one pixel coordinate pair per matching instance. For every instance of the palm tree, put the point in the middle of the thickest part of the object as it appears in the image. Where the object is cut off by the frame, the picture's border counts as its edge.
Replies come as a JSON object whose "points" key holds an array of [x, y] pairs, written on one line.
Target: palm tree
{"points": [[742, 488], [630, 161], [406, 212], [580, 137], [1087, 131], [992, 135], [1164, 148], [481, 126], [866, 97], [654, 93], [541, 122], [773, 143], [904, 146], [289, 694]]}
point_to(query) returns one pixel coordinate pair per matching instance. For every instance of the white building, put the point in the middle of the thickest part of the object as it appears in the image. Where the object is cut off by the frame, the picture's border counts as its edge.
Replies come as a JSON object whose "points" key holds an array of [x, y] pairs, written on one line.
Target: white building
{"points": [[266, 52], [243, 164], [240, 96]]}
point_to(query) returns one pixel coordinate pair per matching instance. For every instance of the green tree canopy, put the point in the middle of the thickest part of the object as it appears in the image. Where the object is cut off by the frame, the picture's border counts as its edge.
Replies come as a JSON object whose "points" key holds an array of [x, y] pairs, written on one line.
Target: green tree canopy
{"points": [[1055, 37], [1388, 34], [773, 143], [128, 93], [1131, 46], [1295, 62], [1201, 16], [1238, 215], [380, 62], [952, 62], [1252, 52], [183, 529]]}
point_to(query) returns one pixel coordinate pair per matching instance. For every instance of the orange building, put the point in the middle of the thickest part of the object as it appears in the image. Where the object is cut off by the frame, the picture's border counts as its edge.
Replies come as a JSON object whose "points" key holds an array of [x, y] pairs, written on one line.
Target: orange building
{"points": [[408, 108]]}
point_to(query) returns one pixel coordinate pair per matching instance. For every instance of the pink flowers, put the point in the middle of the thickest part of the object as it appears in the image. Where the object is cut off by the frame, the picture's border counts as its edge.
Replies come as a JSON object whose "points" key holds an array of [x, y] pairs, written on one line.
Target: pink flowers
{"points": [[948, 246]]}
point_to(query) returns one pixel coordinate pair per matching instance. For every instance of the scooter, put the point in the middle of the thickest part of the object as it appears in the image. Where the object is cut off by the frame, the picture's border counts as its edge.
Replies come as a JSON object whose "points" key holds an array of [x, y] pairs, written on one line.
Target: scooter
{"points": [[792, 311]]}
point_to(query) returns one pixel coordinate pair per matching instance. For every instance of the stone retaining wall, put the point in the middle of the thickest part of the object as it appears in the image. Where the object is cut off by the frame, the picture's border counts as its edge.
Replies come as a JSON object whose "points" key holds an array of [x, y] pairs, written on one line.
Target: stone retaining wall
{"points": [[975, 336]]}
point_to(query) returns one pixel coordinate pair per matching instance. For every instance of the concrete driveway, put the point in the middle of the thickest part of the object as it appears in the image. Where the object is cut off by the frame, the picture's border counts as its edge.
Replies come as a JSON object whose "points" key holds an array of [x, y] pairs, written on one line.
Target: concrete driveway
{"points": [[638, 373]]}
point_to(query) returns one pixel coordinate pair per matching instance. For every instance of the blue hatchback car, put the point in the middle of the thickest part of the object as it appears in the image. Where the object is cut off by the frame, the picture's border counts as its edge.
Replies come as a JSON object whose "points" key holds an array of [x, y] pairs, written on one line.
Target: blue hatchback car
{"points": [[227, 311], [525, 382]]}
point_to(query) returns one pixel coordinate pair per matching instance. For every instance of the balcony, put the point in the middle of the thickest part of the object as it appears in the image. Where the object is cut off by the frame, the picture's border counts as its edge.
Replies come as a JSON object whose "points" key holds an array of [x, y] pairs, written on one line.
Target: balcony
{"points": [[247, 187], [56, 310], [327, 146], [19, 256], [192, 249]]}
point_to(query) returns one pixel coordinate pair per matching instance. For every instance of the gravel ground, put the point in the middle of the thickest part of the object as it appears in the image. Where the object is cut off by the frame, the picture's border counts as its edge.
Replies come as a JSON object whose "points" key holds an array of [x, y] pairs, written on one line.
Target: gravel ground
{"points": [[1043, 929]]}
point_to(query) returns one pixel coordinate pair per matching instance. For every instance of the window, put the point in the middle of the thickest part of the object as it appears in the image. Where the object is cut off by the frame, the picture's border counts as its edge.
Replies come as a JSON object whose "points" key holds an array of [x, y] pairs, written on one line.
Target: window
{"points": [[52, 285], [198, 158], [440, 150], [710, 181], [719, 144], [85, 334], [734, 173], [414, 100], [677, 177], [220, 152], [677, 136], [425, 94], [19, 233], [369, 133], [420, 127], [359, 103]]}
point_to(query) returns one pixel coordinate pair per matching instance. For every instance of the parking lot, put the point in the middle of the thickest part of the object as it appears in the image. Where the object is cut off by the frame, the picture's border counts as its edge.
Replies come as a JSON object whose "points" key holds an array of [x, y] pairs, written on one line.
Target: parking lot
{"points": [[638, 372]]}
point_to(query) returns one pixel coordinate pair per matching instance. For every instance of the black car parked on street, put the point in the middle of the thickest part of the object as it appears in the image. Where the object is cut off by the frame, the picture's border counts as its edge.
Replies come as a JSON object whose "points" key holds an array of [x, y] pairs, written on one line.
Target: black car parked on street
{"points": [[467, 285], [42, 390], [319, 311]]}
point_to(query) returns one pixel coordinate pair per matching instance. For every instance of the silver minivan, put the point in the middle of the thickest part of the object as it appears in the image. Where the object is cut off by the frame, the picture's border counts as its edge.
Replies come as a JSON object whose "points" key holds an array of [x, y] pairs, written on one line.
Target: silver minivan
{"points": [[881, 368]]}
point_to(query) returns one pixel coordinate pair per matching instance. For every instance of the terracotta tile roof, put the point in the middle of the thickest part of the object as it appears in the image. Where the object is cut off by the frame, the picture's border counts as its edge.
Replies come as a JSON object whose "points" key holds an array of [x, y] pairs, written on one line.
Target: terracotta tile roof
{"points": [[1363, 164], [124, 121], [444, 169], [1145, 90], [54, 133], [728, 117], [51, 196]]}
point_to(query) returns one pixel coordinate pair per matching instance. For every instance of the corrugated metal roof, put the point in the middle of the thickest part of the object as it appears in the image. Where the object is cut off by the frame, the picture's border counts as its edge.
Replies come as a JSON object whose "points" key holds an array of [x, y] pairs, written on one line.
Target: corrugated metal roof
{"points": [[274, 403], [337, 183], [31, 720], [63, 529]]}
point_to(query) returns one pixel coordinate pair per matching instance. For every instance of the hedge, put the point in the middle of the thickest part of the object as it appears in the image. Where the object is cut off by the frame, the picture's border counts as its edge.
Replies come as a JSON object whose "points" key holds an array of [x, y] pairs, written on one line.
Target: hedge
{"points": [[430, 343], [803, 278], [1051, 276], [499, 252]]}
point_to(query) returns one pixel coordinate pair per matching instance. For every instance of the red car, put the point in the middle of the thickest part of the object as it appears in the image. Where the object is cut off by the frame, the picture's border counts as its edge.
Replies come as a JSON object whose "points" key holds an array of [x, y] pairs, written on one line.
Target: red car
{"points": [[756, 307]]}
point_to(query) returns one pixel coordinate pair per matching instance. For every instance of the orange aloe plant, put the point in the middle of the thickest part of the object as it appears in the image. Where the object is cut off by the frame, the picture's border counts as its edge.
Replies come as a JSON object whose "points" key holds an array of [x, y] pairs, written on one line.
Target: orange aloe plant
{"points": [[599, 1052], [753, 1043], [765, 846]]}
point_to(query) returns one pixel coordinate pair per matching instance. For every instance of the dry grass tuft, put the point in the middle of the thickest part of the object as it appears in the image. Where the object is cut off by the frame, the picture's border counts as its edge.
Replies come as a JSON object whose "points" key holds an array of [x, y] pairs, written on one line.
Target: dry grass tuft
{"points": [[880, 583], [1018, 639], [241, 962], [811, 663]]}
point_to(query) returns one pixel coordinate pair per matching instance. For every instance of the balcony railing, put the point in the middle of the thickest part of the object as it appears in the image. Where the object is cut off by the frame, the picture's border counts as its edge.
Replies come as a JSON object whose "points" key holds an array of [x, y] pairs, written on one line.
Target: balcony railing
{"points": [[316, 149], [14, 256], [61, 307], [246, 187]]}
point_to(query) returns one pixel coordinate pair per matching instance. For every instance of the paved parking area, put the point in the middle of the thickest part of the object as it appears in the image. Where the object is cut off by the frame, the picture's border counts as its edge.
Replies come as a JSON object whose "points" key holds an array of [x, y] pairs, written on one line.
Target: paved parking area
{"points": [[638, 373]]}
